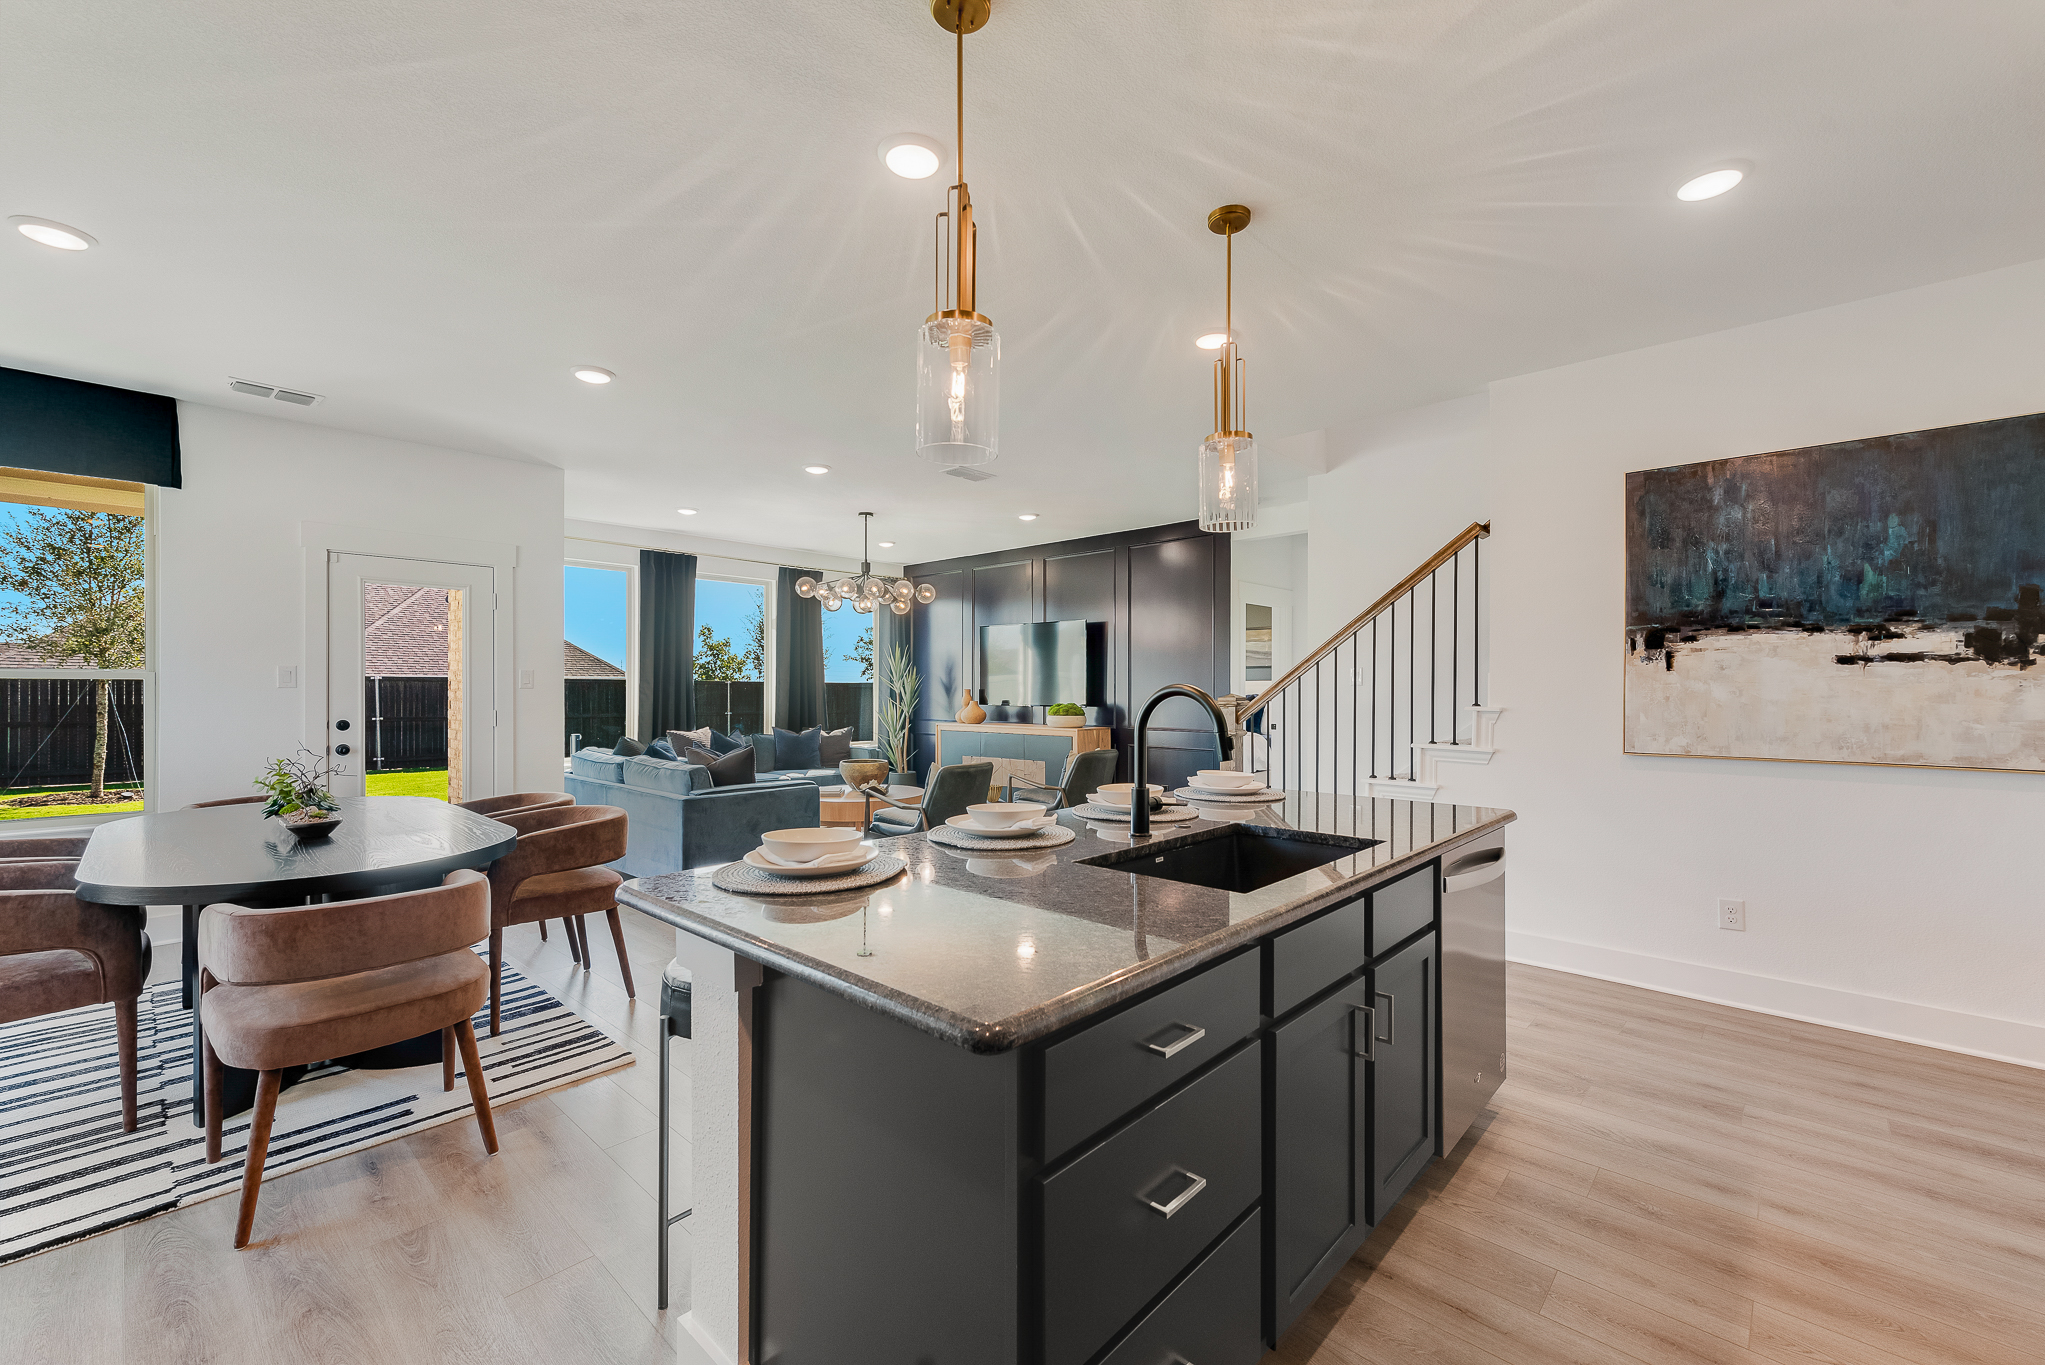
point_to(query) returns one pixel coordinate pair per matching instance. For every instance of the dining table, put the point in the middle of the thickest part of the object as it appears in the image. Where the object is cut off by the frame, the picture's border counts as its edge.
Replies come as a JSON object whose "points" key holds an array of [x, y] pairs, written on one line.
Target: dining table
{"points": [[236, 855]]}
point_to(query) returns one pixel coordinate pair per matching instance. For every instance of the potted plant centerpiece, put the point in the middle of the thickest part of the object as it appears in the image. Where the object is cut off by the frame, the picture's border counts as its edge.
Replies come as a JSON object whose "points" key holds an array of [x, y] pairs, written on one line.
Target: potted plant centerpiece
{"points": [[1065, 715], [299, 795]]}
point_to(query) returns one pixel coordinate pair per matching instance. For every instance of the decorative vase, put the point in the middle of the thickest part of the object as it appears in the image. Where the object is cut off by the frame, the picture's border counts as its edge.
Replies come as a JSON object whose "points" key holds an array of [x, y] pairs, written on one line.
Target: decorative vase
{"points": [[970, 713], [858, 772], [1065, 722]]}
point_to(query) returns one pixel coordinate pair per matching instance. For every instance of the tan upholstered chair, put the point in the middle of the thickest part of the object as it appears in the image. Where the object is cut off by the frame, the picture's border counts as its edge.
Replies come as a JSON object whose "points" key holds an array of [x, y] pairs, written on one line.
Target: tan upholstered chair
{"points": [[557, 872], [58, 953], [496, 807], [229, 801], [291, 986], [60, 846]]}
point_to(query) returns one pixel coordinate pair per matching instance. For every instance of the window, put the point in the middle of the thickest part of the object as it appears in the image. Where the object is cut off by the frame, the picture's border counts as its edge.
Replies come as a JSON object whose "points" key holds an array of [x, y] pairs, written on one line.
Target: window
{"points": [[596, 613], [74, 637], [731, 655], [848, 672]]}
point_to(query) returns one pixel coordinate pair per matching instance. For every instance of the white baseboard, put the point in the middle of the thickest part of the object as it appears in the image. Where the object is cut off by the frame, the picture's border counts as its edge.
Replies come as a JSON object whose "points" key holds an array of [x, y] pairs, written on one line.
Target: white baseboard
{"points": [[699, 1344], [2001, 1040]]}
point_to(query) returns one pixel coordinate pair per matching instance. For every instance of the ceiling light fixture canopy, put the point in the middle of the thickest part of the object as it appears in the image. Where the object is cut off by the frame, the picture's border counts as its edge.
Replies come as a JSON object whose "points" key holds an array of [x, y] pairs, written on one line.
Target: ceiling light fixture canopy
{"points": [[53, 234], [1228, 457], [1711, 184], [958, 354], [863, 590]]}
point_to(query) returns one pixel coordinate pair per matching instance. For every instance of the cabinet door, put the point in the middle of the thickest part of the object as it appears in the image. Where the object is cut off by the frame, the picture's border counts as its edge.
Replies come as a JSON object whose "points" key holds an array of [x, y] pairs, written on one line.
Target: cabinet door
{"points": [[1402, 1118], [1319, 1180]]}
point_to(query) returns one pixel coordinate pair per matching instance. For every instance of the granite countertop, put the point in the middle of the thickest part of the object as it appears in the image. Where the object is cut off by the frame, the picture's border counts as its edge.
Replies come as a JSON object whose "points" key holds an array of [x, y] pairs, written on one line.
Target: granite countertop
{"points": [[993, 951]]}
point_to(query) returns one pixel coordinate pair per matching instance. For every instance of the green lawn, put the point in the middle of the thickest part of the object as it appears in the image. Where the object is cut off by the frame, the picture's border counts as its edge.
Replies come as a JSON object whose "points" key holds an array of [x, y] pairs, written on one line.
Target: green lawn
{"points": [[421, 782], [9, 812]]}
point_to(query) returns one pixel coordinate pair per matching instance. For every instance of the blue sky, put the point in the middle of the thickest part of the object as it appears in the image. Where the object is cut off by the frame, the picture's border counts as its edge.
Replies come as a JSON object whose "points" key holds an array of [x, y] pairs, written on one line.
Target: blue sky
{"points": [[594, 612]]}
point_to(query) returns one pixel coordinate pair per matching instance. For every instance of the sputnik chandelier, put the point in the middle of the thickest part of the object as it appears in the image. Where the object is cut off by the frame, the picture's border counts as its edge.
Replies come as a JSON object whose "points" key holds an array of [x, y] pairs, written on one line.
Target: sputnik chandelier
{"points": [[1228, 457], [864, 591], [958, 355]]}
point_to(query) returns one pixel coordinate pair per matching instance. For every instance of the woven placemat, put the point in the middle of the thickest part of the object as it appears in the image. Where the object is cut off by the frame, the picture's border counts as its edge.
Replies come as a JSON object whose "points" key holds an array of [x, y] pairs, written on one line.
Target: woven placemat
{"points": [[1270, 796], [1170, 815], [748, 880], [1054, 837]]}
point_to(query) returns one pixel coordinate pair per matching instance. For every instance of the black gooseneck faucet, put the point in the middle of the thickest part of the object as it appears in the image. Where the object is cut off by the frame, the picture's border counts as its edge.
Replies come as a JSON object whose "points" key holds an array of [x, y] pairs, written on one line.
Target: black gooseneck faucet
{"points": [[1139, 800]]}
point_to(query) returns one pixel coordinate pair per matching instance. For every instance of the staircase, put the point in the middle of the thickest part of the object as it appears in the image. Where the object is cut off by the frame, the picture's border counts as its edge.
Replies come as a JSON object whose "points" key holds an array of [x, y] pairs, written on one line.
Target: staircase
{"points": [[1391, 700]]}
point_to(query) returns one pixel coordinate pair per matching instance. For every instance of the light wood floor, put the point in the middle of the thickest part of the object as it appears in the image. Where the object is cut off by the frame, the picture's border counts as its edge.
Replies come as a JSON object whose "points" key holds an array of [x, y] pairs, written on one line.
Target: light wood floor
{"points": [[1660, 1181], [1668, 1181]]}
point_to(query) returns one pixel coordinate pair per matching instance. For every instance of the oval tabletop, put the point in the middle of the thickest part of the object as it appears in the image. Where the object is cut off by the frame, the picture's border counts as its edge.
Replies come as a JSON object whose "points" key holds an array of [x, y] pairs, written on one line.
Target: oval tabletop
{"points": [[219, 853]]}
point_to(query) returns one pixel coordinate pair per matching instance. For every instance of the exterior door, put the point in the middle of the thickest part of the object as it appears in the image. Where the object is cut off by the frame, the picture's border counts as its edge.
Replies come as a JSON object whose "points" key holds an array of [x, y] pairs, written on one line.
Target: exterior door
{"points": [[411, 675]]}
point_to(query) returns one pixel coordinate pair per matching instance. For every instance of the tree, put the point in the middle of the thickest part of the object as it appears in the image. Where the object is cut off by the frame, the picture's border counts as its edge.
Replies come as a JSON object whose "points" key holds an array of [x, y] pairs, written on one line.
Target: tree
{"points": [[862, 652], [78, 580], [755, 657], [716, 660]]}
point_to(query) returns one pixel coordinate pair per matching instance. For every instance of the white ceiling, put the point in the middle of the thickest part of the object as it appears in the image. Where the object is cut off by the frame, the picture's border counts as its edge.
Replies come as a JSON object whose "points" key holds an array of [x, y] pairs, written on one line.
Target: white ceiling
{"points": [[430, 212]]}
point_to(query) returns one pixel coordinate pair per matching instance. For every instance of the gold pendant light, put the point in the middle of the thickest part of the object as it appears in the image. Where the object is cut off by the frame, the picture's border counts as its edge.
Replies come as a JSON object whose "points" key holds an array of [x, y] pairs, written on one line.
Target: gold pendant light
{"points": [[958, 354], [1228, 457]]}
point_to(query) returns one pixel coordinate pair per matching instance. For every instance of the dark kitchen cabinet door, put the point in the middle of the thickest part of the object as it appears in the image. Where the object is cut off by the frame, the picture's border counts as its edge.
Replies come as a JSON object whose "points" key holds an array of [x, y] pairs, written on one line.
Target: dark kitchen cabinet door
{"points": [[1402, 1118], [1319, 1176]]}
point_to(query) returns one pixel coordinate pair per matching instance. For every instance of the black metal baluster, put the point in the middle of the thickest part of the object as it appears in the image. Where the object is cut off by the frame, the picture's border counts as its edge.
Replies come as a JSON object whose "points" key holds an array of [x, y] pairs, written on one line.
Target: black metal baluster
{"points": [[1476, 588], [1412, 680], [1317, 740], [1373, 698], [1455, 616], [1433, 644]]}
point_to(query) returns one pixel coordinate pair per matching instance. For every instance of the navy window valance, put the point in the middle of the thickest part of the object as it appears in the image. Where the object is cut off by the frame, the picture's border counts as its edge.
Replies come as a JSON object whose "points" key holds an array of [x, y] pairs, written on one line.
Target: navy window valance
{"points": [[66, 426]]}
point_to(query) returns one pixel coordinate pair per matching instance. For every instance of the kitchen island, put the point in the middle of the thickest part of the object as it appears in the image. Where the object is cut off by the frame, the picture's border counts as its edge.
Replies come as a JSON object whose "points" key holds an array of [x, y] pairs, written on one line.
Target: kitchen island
{"points": [[1110, 1102]]}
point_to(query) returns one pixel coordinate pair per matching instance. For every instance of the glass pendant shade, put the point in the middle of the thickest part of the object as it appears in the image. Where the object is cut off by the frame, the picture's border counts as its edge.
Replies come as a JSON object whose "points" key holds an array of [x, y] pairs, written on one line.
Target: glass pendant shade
{"points": [[899, 607], [958, 391], [833, 602], [805, 587], [926, 594], [1228, 482]]}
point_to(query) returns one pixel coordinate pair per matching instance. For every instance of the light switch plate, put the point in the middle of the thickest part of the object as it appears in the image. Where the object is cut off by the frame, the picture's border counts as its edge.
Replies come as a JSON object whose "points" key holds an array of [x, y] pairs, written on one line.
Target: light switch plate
{"points": [[287, 675], [525, 677]]}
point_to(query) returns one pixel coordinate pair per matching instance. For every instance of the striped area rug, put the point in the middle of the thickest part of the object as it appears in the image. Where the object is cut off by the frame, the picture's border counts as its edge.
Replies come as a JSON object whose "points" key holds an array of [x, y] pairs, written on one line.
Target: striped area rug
{"points": [[68, 1171]]}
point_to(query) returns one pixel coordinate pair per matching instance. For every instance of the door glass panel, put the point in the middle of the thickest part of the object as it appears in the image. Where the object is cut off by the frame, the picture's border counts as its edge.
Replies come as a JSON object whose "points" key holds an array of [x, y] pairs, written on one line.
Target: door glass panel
{"points": [[412, 721], [1256, 642]]}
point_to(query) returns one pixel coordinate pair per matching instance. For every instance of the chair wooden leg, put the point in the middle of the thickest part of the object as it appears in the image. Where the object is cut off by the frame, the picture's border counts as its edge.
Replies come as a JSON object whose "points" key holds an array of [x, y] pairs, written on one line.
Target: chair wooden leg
{"points": [[496, 979], [624, 962], [267, 1085], [465, 1034], [214, 1084], [447, 1058], [124, 1028], [582, 936], [543, 931], [574, 943]]}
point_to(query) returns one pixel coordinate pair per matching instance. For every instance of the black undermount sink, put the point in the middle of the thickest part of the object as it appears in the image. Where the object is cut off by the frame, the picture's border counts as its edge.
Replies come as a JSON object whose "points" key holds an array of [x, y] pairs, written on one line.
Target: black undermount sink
{"points": [[1236, 858]]}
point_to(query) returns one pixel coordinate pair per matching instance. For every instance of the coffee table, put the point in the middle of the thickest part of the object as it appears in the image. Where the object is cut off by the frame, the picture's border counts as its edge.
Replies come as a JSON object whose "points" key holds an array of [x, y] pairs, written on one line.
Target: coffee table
{"points": [[843, 806]]}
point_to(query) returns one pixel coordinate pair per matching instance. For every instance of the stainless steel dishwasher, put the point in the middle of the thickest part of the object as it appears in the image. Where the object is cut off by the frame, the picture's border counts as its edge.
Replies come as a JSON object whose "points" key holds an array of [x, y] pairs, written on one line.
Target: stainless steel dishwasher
{"points": [[1472, 984]]}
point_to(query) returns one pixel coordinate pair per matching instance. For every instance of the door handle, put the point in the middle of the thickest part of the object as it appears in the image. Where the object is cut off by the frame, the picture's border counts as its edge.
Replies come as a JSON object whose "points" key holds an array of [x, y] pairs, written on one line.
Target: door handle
{"points": [[1185, 1040], [1182, 1198], [341, 749], [1391, 1037], [1367, 1031]]}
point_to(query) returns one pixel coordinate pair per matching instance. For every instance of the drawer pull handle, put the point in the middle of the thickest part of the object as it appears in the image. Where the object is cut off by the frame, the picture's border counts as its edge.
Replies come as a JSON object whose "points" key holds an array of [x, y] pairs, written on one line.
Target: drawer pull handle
{"points": [[1391, 1037], [1183, 1197], [1366, 1031], [1185, 1040]]}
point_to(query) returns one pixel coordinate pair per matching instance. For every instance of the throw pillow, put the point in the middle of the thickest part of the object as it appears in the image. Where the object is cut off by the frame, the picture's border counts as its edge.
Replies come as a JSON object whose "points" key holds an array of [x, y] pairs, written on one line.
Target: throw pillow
{"points": [[660, 748], [734, 769], [629, 747], [684, 740], [724, 744], [834, 747], [799, 751]]}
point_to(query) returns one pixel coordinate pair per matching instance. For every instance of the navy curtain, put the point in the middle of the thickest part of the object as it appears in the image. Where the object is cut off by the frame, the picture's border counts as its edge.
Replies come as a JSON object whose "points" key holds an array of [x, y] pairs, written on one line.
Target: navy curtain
{"points": [[798, 654], [67, 426], [667, 644]]}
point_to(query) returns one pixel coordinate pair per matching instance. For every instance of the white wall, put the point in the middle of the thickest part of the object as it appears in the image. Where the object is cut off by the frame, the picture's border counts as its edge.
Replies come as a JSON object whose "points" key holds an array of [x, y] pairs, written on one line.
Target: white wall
{"points": [[231, 589], [1893, 901]]}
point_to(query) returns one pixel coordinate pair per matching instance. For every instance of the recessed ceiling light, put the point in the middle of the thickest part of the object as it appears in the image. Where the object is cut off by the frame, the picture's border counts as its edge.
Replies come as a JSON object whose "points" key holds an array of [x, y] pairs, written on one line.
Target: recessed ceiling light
{"points": [[53, 234], [590, 374], [887, 545], [1026, 516], [686, 511], [1212, 341], [1711, 184], [816, 469], [911, 155]]}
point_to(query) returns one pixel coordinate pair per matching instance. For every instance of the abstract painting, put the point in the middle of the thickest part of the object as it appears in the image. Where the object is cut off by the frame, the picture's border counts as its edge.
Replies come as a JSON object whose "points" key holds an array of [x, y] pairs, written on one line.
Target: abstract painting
{"points": [[1871, 601]]}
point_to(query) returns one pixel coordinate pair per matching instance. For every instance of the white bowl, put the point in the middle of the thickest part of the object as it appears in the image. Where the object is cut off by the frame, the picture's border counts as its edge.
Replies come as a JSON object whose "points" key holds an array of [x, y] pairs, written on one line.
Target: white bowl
{"points": [[808, 845], [1065, 722], [1002, 814], [1120, 793]]}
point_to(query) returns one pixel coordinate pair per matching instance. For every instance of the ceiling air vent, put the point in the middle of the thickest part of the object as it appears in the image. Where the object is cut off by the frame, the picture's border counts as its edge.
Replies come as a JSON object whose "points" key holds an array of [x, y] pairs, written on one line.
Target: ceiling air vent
{"points": [[303, 400], [969, 473]]}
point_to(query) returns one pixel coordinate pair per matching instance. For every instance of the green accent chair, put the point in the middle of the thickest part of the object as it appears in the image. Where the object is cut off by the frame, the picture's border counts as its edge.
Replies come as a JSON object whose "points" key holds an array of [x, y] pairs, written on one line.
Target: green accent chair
{"points": [[1085, 774], [951, 790]]}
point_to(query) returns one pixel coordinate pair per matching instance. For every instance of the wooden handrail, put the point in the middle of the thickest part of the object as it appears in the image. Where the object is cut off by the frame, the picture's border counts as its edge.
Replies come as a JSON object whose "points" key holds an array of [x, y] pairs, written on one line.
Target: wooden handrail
{"points": [[1476, 530]]}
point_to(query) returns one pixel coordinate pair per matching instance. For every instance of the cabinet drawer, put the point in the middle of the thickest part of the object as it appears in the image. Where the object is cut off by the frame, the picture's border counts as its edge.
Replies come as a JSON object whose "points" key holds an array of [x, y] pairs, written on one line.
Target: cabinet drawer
{"points": [[1095, 1077], [1108, 1246], [1308, 958], [1401, 909], [1211, 1317]]}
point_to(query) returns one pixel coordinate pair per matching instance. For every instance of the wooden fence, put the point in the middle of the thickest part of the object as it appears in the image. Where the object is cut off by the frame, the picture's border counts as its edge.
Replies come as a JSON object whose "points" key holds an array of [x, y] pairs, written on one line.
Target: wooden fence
{"points": [[47, 739], [595, 708], [405, 723]]}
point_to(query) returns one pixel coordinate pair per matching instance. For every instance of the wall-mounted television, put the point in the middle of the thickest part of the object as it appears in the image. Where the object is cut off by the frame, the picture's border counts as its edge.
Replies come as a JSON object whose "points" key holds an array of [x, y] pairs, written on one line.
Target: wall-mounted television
{"points": [[1039, 664]]}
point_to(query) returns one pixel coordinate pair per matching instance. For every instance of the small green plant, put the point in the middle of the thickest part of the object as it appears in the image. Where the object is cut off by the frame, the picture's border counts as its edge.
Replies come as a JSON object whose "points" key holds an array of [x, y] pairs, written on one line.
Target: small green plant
{"points": [[298, 790], [901, 684], [1065, 708]]}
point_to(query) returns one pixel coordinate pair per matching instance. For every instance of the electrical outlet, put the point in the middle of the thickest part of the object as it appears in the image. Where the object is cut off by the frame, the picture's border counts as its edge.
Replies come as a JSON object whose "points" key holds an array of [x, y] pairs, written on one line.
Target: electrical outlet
{"points": [[1732, 915]]}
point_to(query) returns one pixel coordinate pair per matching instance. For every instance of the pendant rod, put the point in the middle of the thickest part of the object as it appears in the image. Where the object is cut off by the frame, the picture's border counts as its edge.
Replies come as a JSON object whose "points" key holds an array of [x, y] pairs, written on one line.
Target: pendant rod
{"points": [[960, 146]]}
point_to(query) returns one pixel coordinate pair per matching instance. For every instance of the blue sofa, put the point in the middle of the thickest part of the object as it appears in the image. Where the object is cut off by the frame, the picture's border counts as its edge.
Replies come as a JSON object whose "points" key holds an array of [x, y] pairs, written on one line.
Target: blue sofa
{"points": [[678, 818], [765, 771]]}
